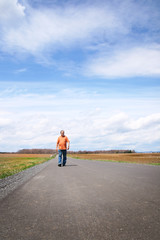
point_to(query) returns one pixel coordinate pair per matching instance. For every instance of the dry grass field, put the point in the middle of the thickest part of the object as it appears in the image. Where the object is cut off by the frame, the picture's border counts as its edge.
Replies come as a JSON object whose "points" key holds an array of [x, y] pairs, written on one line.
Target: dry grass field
{"points": [[14, 163], [143, 158]]}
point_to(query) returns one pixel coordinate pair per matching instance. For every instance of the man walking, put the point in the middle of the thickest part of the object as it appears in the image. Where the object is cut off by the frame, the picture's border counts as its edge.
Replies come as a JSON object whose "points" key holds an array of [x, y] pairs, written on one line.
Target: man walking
{"points": [[62, 147]]}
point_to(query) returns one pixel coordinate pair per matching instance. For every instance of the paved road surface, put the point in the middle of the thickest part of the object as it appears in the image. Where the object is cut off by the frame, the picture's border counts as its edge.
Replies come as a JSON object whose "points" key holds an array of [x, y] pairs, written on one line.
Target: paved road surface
{"points": [[86, 200]]}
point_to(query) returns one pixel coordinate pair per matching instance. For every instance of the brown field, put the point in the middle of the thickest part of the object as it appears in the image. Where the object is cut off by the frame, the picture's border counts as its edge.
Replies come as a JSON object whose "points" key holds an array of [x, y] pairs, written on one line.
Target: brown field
{"points": [[14, 163], [143, 158]]}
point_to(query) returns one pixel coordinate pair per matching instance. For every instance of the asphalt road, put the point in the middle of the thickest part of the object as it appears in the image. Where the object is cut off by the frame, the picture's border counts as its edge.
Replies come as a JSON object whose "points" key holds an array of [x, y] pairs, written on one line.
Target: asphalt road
{"points": [[85, 200]]}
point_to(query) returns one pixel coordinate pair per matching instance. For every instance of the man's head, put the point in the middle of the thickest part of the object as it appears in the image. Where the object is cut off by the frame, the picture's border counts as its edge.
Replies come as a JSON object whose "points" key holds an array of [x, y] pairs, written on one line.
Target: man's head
{"points": [[62, 133]]}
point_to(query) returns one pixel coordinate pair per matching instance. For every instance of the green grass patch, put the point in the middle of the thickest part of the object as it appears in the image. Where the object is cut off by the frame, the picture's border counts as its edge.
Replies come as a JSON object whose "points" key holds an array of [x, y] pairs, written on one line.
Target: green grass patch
{"points": [[11, 164]]}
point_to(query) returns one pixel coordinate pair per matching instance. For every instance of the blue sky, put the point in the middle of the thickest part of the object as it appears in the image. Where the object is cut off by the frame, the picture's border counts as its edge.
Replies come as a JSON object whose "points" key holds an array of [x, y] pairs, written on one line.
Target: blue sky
{"points": [[91, 68]]}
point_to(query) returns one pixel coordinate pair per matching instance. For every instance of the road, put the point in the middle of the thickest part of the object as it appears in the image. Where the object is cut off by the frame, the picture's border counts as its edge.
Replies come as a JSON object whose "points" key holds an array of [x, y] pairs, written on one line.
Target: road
{"points": [[85, 200]]}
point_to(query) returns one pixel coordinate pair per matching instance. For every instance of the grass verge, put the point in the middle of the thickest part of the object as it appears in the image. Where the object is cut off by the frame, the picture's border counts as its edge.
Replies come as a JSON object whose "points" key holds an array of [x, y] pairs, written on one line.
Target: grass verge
{"points": [[140, 158], [13, 163]]}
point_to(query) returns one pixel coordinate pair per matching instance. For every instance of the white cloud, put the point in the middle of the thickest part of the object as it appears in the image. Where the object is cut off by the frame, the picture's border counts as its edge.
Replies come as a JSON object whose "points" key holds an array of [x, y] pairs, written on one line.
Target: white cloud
{"points": [[33, 130], [11, 11], [144, 61], [145, 122], [125, 31], [4, 121], [91, 122], [21, 70], [57, 27]]}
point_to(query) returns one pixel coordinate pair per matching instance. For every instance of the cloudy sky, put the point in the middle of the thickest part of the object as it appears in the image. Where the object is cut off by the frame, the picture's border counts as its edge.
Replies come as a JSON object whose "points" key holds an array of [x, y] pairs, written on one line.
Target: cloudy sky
{"points": [[89, 67]]}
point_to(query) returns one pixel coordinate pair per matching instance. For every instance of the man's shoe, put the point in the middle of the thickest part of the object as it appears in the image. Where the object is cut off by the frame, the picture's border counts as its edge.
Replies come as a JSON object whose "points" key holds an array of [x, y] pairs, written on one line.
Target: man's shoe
{"points": [[64, 165], [59, 165]]}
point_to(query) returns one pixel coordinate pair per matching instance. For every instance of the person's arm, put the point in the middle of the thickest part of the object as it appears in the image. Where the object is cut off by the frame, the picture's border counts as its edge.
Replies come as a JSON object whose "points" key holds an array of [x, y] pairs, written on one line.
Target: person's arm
{"points": [[68, 143], [57, 145]]}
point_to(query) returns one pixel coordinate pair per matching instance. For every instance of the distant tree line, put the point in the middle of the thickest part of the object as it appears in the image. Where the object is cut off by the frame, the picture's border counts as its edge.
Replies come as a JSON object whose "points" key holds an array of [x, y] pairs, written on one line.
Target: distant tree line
{"points": [[53, 151], [37, 151], [102, 151]]}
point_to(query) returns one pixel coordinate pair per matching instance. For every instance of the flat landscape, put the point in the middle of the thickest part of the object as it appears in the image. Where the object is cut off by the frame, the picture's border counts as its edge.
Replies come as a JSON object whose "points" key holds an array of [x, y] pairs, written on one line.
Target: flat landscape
{"points": [[142, 158], [14, 163]]}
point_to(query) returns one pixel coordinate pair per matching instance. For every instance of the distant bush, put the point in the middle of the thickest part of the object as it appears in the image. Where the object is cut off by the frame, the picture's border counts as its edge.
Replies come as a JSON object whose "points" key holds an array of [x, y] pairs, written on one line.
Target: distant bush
{"points": [[36, 151]]}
